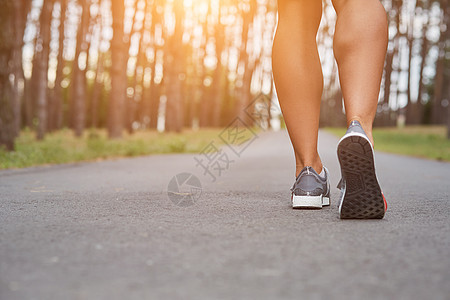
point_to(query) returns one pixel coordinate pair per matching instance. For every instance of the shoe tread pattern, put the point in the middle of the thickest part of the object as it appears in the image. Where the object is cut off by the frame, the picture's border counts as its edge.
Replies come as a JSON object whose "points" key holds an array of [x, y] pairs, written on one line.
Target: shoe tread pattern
{"points": [[363, 198]]}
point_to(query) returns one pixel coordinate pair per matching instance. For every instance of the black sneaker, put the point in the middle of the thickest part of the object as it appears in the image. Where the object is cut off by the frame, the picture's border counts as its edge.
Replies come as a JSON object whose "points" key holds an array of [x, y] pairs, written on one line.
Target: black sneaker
{"points": [[361, 195], [311, 190]]}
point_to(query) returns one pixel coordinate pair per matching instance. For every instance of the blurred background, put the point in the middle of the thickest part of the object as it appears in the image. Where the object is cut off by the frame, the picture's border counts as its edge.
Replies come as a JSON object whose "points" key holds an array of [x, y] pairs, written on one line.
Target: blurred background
{"points": [[167, 66]]}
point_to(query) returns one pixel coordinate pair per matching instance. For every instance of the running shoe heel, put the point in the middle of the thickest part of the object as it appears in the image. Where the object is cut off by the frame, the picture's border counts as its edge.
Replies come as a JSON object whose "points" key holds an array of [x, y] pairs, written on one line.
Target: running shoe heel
{"points": [[310, 189], [362, 197]]}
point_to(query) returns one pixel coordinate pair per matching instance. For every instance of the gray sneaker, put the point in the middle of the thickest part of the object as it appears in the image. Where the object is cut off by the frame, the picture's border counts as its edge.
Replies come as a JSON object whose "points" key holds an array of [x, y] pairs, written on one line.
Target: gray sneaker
{"points": [[311, 190], [361, 196]]}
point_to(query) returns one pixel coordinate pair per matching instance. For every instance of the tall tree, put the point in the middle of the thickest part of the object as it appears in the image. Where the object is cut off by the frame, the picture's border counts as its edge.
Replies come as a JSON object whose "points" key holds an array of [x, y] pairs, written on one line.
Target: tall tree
{"points": [[151, 94], [139, 72], [41, 68], [79, 75], [437, 113], [414, 110], [97, 87], [57, 109], [96, 92], [21, 9], [248, 65], [118, 72], [30, 88], [219, 39], [131, 99], [205, 103], [7, 122], [174, 64]]}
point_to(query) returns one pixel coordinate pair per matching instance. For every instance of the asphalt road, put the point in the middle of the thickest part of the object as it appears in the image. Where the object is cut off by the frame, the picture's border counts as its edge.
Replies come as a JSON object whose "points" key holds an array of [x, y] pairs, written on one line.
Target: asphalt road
{"points": [[108, 230]]}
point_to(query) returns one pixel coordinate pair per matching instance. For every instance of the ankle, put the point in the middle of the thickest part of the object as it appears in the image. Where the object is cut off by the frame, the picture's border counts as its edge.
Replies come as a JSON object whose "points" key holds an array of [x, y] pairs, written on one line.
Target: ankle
{"points": [[366, 125], [316, 164]]}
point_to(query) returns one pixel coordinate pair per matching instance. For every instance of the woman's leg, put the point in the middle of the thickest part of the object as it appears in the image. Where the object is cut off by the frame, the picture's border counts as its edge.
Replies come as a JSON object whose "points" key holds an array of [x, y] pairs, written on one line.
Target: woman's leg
{"points": [[298, 76], [360, 42]]}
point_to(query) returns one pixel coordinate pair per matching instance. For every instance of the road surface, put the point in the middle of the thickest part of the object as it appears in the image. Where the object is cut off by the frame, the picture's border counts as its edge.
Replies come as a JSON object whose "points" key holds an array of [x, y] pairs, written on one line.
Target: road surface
{"points": [[108, 230]]}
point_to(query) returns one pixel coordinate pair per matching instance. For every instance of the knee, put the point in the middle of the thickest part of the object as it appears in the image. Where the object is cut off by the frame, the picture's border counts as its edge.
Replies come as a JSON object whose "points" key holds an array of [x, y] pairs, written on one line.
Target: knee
{"points": [[300, 14], [359, 22]]}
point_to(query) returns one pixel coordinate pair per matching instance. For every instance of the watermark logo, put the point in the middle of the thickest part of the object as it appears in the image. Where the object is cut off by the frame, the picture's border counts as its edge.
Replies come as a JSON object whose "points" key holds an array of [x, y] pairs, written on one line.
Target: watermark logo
{"points": [[213, 160], [237, 136], [184, 189]]}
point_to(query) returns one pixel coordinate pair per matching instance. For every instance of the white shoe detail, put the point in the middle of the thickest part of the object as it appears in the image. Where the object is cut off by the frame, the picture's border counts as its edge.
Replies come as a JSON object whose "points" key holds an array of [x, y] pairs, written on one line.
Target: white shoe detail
{"points": [[341, 200], [310, 201], [356, 134]]}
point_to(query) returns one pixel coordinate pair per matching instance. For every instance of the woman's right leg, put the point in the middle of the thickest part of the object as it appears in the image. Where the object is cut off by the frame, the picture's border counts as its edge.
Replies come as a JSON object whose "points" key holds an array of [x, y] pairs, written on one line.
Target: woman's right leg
{"points": [[360, 42], [298, 76]]}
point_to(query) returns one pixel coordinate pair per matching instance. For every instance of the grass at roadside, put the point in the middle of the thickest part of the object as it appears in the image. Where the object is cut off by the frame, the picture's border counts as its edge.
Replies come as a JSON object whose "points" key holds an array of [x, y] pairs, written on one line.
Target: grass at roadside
{"points": [[62, 147], [420, 141]]}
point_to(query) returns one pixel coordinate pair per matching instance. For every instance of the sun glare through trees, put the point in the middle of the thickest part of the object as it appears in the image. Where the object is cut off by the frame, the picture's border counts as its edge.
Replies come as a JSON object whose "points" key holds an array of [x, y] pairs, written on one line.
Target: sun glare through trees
{"points": [[168, 65]]}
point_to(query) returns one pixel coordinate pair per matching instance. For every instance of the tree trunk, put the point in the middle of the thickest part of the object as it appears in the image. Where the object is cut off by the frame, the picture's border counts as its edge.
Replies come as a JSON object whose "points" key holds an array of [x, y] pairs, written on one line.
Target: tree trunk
{"points": [[436, 107], [204, 103], [118, 72], [421, 72], [21, 9], [7, 121], [410, 47], [217, 88], [415, 111], [138, 79], [31, 87], [174, 65], [96, 92], [151, 96], [244, 91], [79, 76], [28, 105], [437, 111], [41, 69], [97, 86], [57, 110]]}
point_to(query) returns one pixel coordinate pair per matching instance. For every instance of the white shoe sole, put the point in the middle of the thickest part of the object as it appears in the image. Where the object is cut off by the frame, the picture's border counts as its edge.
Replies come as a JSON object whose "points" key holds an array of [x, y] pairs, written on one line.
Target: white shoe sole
{"points": [[310, 201]]}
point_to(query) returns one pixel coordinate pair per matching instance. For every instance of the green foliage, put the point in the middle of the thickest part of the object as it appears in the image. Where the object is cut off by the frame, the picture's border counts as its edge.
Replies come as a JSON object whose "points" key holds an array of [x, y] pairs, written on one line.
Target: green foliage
{"points": [[63, 147], [420, 141]]}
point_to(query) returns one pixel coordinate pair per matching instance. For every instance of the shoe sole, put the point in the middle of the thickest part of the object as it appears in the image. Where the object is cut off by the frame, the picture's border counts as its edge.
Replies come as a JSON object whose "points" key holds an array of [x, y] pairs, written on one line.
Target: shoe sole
{"points": [[362, 197], [310, 201]]}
